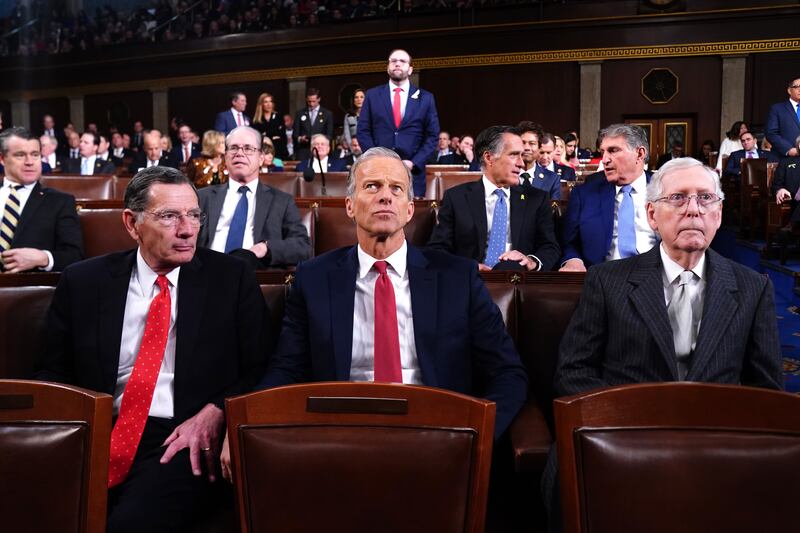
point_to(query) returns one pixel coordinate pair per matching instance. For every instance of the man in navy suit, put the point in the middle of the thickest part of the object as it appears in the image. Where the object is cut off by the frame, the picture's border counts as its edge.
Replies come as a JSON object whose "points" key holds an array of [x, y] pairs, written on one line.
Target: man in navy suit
{"points": [[233, 117], [531, 174], [151, 154], [749, 150], [88, 164], [323, 146], [186, 149], [401, 117], [309, 121], [783, 125], [592, 231]]}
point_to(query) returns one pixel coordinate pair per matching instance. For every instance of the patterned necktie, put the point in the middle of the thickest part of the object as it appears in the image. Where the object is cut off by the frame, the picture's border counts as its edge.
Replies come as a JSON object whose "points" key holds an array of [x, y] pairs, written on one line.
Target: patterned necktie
{"points": [[526, 179], [387, 339], [680, 318], [138, 393], [10, 217], [238, 222], [497, 235], [626, 228], [398, 117]]}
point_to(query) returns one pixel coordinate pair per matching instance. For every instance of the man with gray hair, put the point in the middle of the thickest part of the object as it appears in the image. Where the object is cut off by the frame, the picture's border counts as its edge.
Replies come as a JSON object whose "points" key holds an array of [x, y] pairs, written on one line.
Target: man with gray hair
{"points": [[606, 218]]}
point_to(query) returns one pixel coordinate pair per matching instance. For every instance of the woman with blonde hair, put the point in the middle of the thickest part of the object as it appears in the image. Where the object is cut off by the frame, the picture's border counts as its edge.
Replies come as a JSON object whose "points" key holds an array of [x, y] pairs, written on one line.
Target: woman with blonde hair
{"points": [[209, 167], [270, 124]]}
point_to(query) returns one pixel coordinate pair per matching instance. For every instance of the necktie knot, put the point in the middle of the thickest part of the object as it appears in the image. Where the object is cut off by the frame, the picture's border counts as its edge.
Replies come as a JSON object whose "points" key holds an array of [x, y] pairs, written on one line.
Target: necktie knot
{"points": [[685, 277], [626, 189], [380, 266], [243, 189], [526, 177], [398, 90], [501, 196], [163, 283]]}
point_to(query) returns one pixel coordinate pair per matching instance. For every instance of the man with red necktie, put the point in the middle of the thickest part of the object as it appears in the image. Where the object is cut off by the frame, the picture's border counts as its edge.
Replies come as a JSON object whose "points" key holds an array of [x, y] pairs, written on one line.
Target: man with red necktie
{"points": [[170, 331], [233, 117]]}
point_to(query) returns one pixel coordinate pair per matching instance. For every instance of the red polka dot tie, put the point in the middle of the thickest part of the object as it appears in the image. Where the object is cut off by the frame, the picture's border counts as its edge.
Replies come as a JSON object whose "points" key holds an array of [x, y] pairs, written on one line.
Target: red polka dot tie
{"points": [[387, 340], [396, 104], [138, 394]]}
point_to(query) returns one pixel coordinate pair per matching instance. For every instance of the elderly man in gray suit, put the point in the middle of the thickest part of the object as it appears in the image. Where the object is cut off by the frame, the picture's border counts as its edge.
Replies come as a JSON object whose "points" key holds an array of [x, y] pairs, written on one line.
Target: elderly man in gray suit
{"points": [[680, 312], [247, 218]]}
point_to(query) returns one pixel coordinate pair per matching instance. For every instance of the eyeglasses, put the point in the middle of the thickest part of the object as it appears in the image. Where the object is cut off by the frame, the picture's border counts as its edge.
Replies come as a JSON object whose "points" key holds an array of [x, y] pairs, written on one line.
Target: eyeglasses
{"points": [[171, 218], [246, 149], [679, 200]]}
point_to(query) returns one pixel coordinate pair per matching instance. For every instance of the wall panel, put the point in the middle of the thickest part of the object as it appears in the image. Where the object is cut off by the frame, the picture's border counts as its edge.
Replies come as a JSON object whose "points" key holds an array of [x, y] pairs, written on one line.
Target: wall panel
{"points": [[119, 109]]}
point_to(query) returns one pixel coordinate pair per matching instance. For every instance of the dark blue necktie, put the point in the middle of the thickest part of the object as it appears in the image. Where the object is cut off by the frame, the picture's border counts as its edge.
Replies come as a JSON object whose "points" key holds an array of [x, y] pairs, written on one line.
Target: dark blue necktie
{"points": [[497, 236], [238, 223], [626, 229]]}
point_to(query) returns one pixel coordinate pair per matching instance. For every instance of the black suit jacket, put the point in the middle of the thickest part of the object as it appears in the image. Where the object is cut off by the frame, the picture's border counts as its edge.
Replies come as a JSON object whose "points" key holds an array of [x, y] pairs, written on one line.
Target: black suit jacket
{"points": [[787, 176], [101, 166], [220, 329], [119, 161], [140, 162], [734, 166], [620, 332], [303, 126], [49, 222], [272, 127], [276, 221], [462, 227], [177, 153]]}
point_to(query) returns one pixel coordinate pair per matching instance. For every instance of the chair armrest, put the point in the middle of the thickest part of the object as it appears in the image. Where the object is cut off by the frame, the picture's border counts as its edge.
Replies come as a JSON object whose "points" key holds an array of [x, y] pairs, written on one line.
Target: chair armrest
{"points": [[530, 439]]}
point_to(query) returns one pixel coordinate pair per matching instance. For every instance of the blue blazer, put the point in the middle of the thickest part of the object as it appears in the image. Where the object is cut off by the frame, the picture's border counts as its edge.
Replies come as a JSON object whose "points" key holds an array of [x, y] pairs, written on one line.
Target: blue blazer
{"points": [[461, 342], [417, 135], [734, 168], [566, 172], [782, 127], [334, 165], [589, 221], [225, 121], [546, 180], [177, 152]]}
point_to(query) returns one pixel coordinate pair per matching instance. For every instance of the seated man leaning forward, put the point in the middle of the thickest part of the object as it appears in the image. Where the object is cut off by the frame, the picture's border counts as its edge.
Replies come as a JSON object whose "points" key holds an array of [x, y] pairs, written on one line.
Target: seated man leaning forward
{"points": [[170, 331], [386, 311]]}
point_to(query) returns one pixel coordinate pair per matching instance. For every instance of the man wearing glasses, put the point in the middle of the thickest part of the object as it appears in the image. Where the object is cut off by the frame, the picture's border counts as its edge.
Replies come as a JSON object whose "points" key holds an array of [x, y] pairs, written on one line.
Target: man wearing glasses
{"points": [[170, 331], [247, 218]]}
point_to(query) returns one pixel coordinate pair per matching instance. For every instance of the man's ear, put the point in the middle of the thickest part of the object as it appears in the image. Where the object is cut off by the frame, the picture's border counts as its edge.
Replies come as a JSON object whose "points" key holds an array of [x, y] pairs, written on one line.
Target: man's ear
{"points": [[129, 220]]}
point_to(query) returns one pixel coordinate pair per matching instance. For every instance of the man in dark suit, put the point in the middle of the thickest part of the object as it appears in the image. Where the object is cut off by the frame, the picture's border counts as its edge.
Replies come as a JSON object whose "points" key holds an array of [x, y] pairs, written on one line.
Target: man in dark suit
{"points": [[783, 124], [606, 218], [40, 228], [531, 175], [196, 315], [469, 214], [49, 128], [309, 121], [464, 156], [137, 138], [750, 150], [234, 117], [786, 184], [675, 153], [118, 152], [51, 161], [248, 218], [402, 117], [543, 173], [88, 164], [325, 163], [151, 154], [184, 151], [387, 311]]}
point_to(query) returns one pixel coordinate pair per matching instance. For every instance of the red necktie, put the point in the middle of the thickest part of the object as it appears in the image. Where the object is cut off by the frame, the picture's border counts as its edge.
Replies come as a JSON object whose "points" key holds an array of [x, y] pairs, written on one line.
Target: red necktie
{"points": [[396, 107], [238, 119], [186, 153], [138, 394], [387, 340]]}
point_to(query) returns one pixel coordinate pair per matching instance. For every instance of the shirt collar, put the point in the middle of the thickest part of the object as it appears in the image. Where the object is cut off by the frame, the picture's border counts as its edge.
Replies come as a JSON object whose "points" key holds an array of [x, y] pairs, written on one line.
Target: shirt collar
{"points": [[639, 184], [234, 111], [489, 187], [673, 269], [147, 278], [8, 184], [397, 260], [234, 185], [405, 86]]}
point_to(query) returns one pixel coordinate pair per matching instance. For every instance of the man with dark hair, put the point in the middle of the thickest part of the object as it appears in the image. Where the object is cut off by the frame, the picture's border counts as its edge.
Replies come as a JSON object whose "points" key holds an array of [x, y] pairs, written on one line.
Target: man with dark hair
{"points": [[494, 221], [530, 175], [309, 121], [88, 164], [195, 315], [39, 227], [235, 116], [401, 117], [544, 176], [606, 218], [783, 125], [750, 150], [676, 153], [184, 149]]}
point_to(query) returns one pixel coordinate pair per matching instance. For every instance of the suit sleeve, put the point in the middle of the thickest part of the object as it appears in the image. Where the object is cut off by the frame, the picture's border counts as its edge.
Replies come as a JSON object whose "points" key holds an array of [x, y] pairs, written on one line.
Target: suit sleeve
{"points": [[571, 236], [56, 362], [430, 136], [294, 244], [773, 131], [779, 182], [443, 235], [763, 362], [68, 239], [298, 124], [219, 122], [364, 127], [555, 190], [329, 128], [582, 350], [546, 244], [732, 168]]}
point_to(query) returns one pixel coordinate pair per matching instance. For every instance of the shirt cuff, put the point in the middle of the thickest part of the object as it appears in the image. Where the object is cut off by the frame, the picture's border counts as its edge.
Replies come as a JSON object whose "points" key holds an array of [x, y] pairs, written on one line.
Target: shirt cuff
{"points": [[50, 261], [538, 262]]}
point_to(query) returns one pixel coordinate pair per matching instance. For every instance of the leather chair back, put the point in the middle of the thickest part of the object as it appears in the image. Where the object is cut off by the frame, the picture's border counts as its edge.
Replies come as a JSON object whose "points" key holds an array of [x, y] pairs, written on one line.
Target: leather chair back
{"points": [[103, 231], [360, 457], [23, 318], [448, 180], [335, 185], [282, 181], [98, 187], [118, 187]]}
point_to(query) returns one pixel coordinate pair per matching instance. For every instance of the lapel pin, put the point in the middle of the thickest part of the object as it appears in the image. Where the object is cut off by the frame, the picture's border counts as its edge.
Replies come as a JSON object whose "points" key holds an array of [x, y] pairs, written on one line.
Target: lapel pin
{"points": [[521, 196], [415, 95], [303, 118], [541, 175]]}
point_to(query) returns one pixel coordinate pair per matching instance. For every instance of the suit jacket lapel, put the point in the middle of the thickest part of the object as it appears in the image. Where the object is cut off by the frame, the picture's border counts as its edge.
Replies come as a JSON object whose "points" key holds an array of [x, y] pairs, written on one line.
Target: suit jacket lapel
{"points": [[342, 293], [477, 206], [423, 284], [191, 302], [114, 291], [518, 213], [719, 306], [647, 298], [35, 200], [412, 104], [264, 197], [215, 210], [607, 195], [790, 110], [386, 103]]}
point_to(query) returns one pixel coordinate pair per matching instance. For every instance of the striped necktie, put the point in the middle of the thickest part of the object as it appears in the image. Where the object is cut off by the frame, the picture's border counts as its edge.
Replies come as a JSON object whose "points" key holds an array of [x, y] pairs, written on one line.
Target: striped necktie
{"points": [[10, 217]]}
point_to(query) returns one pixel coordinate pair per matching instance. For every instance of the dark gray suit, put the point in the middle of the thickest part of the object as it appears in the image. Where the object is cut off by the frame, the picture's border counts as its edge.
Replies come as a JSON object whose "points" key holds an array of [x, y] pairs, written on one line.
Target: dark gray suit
{"points": [[620, 332], [277, 221]]}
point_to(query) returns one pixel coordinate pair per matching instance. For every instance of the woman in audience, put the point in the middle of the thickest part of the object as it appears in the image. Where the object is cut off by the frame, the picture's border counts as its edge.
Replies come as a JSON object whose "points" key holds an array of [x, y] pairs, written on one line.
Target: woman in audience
{"points": [[351, 118], [209, 167], [166, 144], [731, 142], [570, 156], [559, 153], [270, 123], [269, 163]]}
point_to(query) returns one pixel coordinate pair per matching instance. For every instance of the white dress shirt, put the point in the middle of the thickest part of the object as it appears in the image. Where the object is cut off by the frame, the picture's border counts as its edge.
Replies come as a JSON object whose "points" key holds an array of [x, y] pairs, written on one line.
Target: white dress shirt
{"points": [[232, 197], [696, 287], [23, 194], [490, 199], [51, 160], [141, 291], [89, 162], [645, 236], [316, 164], [362, 364], [403, 96], [237, 115], [119, 152]]}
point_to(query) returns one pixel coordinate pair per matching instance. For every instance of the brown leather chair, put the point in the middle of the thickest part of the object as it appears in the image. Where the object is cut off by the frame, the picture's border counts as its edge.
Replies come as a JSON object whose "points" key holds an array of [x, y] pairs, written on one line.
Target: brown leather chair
{"points": [[119, 184], [54, 442], [754, 195], [99, 187], [23, 318], [686, 457], [448, 180], [282, 181], [360, 457], [308, 216], [335, 185], [103, 231]]}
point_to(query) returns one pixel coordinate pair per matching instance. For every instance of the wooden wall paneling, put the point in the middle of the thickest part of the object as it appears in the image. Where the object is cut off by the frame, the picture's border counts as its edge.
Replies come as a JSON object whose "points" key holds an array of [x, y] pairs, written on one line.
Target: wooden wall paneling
{"points": [[5, 111], [120, 109], [57, 107], [769, 75]]}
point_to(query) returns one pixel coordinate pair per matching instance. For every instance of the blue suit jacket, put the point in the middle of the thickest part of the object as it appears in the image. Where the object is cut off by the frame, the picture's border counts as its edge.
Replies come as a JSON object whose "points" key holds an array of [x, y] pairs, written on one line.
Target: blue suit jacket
{"points": [[546, 180], [225, 121], [461, 342], [782, 127], [177, 152], [589, 221], [734, 167], [566, 172], [417, 135]]}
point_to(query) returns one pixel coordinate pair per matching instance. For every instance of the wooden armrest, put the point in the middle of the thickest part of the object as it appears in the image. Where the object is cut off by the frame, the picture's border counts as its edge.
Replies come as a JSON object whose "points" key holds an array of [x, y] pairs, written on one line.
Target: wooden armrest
{"points": [[530, 439]]}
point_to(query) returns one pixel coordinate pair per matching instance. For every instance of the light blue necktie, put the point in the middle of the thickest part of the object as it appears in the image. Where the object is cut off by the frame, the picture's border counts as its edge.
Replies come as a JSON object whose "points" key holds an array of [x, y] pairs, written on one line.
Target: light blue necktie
{"points": [[497, 236], [626, 229], [238, 223], [84, 167]]}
